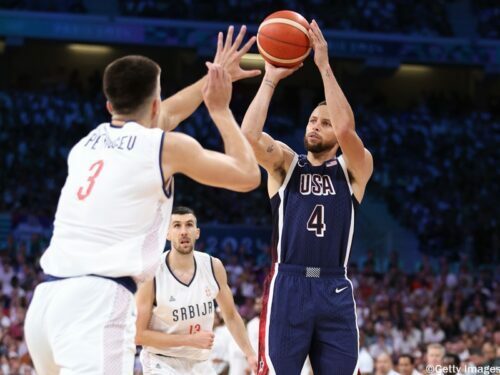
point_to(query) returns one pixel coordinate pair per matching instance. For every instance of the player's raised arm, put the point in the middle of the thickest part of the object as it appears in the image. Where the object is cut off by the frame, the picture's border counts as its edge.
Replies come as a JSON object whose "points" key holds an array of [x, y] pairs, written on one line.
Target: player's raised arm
{"points": [[231, 317], [271, 155], [359, 161], [182, 104], [237, 168]]}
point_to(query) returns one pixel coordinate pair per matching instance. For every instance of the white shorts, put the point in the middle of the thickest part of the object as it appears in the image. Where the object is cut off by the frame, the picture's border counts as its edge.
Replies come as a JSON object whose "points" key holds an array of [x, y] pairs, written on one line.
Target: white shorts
{"points": [[82, 325], [153, 364]]}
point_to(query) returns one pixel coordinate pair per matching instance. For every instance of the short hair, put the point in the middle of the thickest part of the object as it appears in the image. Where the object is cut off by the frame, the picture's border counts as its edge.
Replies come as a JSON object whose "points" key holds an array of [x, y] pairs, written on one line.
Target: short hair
{"points": [[409, 356], [455, 358], [436, 346], [129, 82], [321, 103], [183, 210]]}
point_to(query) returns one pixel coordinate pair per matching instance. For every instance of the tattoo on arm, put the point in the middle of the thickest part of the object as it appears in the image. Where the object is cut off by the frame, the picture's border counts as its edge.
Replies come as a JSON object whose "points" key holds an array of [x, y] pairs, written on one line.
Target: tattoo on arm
{"points": [[269, 83], [270, 148], [327, 73]]}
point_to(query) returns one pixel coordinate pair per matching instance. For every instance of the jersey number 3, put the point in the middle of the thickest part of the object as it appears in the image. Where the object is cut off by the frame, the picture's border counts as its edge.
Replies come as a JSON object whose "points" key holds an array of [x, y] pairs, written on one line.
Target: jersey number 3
{"points": [[316, 222], [96, 169]]}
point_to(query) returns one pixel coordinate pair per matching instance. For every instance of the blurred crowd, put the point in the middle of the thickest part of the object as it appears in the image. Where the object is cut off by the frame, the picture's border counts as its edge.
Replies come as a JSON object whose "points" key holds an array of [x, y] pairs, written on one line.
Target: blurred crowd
{"points": [[425, 17], [488, 18], [435, 168], [452, 304]]}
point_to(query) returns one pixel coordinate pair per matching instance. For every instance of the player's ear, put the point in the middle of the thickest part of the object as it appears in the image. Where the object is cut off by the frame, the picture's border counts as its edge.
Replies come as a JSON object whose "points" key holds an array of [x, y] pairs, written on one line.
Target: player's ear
{"points": [[169, 237], [109, 107], [156, 106], [198, 233]]}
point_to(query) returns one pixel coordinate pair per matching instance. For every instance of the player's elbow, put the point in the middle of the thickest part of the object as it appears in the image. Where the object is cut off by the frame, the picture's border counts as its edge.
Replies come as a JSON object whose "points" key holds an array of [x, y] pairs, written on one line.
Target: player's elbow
{"points": [[140, 338], [251, 135], [344, 130], [250, 179]]}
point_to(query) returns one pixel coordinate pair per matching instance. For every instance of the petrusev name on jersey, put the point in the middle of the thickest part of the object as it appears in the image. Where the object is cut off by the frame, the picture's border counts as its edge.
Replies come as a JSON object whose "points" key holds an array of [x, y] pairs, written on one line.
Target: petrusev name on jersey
{"points": [[119, 143]]}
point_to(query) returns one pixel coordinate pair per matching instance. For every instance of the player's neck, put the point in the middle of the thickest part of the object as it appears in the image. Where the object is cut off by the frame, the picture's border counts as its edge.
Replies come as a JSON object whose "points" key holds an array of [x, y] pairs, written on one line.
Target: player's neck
{"points": [[179, 261], [120, 120], [318, 158]]}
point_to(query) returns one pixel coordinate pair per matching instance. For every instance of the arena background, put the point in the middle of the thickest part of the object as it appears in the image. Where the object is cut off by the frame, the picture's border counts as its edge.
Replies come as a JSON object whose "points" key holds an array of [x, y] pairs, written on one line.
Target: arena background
{"points": [[423, 80]]}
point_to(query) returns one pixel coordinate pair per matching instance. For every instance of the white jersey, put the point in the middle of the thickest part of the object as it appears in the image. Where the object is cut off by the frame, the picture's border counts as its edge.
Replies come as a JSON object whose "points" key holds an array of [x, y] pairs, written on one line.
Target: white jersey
{"points": [[185, 308], [114, 210]]}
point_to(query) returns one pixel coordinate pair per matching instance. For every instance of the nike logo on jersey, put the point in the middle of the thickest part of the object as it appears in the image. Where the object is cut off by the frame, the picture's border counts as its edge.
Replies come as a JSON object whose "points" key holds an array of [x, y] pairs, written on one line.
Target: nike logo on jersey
{"points": [[337, 290], [172, 299], [316, 184]]}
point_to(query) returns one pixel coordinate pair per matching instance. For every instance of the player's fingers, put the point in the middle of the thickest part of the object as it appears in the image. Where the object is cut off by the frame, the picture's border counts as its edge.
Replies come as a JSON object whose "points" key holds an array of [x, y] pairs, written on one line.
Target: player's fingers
{"points": [[312, 38], [247, 46], [239, 38], [319, 32], [315, 29], [294, 69], [217, 72], [219, 47], [229, 38], [251, 73]]}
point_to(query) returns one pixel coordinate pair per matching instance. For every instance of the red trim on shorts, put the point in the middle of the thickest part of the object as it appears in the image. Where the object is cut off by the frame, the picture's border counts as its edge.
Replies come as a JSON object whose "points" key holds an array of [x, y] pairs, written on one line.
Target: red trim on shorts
{"points": [[263, 367]]}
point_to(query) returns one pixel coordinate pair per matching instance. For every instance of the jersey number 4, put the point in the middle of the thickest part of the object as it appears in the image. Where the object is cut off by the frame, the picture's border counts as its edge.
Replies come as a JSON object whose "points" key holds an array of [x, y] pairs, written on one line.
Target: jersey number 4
{"points": [[84, 192], [316, 222]]}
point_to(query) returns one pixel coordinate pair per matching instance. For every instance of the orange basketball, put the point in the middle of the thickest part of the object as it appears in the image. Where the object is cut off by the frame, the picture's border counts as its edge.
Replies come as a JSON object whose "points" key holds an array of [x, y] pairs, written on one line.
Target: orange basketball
{"points": [[283, 38]]}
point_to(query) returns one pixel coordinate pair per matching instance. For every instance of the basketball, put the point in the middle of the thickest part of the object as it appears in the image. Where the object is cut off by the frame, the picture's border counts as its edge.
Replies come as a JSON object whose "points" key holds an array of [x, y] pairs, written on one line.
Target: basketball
{"points": [[283, 40]]}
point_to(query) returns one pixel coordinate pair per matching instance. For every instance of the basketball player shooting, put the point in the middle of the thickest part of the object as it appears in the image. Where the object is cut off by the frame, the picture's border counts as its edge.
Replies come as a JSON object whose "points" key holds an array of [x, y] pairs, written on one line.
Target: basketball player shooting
{"points": [[176, 309], [113, 215], [308, 306]]}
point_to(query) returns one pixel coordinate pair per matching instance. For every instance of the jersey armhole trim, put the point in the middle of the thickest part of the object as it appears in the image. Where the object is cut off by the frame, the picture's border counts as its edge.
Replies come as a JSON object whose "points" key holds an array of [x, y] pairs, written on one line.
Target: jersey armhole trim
{"points": [[166, 186], [213, 271], [289, 173], [346, 173], [154, 291]]}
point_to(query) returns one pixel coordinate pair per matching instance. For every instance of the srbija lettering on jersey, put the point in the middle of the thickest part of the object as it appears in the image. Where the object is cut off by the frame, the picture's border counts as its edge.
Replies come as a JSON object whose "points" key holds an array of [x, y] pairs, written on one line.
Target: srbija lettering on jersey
{"points": [[185, 308], [114, 209]]}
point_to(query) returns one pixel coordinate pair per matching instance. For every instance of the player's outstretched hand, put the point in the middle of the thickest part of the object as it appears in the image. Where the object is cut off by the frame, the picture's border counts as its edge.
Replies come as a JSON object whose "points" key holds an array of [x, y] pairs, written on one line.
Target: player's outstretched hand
{"points": [[229, 57], [276, 74], [319, 45], [203, 340], [218, 88]]}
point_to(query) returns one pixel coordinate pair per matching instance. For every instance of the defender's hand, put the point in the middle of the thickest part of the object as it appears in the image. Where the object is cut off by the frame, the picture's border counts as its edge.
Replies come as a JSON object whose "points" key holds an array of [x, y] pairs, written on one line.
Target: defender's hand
{"points": [[218, 88], [319, 45], [229, 57]]}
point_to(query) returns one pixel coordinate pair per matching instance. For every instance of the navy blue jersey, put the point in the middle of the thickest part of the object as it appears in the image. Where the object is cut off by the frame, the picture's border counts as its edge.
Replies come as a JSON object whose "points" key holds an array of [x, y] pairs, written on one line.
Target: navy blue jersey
{"points": [[313, 215]]}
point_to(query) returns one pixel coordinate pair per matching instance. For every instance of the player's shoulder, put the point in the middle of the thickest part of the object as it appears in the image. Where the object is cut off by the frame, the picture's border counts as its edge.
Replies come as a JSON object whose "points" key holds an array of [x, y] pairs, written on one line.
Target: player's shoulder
{"points": [[136, 127], [203, 257], [215, 262]]}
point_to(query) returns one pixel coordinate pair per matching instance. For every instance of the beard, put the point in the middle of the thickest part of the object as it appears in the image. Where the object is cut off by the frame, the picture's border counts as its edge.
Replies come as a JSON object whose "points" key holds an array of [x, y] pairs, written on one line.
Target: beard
{"points": [[184, 249], [318, 147]]}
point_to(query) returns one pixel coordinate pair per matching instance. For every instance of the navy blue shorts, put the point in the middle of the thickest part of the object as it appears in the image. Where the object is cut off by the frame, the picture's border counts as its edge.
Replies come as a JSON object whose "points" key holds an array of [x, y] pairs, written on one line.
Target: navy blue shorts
{"points": [[308, 311]]}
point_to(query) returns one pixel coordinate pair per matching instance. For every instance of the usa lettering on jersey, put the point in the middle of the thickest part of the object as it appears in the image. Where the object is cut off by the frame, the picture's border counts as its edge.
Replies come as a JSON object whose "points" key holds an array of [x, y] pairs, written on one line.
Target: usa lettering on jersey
{"points": [[316, 184]]}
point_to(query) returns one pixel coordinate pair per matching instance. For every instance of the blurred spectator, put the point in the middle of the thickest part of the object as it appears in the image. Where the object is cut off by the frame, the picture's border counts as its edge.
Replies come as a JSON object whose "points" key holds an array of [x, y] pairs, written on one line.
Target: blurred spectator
{"points": [[383, 365], [406, 365], [434, 359]]}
